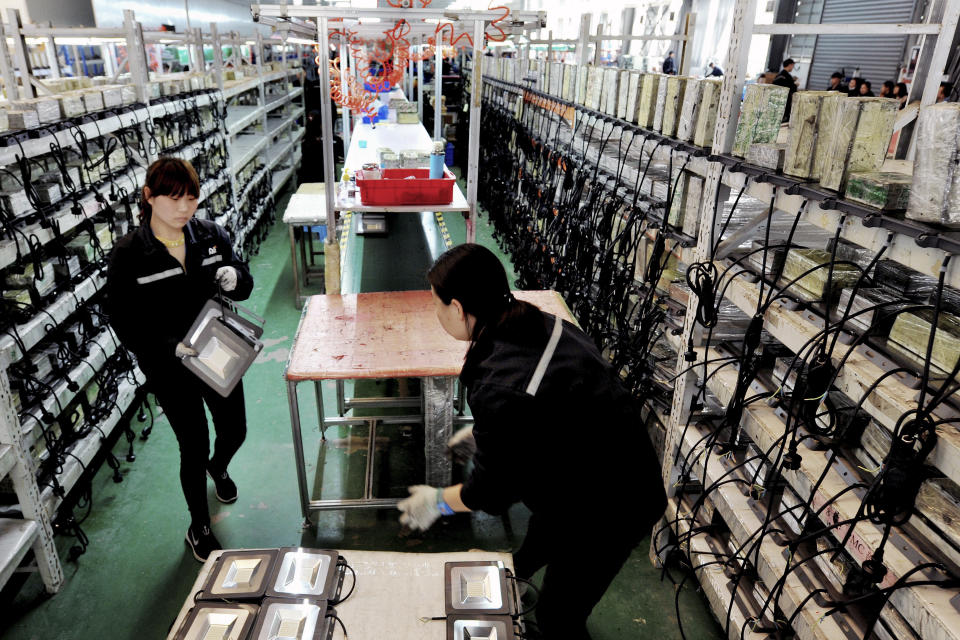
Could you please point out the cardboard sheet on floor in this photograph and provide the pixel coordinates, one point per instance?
(393, 591)
(391, 334)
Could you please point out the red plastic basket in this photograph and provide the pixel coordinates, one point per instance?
(395, 189)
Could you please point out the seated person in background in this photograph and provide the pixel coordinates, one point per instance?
(865, 91)
(943, 93)
(853, 87)
(886, 91)
(836, 82)
(900, 93)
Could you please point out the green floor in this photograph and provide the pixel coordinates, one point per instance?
(137, 571)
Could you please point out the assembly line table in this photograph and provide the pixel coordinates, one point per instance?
(306, 208)
(394, 590)
(392, 334)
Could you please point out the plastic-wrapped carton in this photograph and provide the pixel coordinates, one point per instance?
(858, 137)
(804, 139)
(706, 117)
(760, 116)
(661, 104)
(647, 102)
(673, 103)
(911, 333)
(769, 155)
(688, 110)
(22, 119)
(611, 76)
(633, 94)
(935, 193)
(594, 87)
(800, 261)
(880, 189)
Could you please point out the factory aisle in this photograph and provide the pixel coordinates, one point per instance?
(137, 571)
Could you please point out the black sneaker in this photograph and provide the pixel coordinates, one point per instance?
(202, 542)
(225, 488)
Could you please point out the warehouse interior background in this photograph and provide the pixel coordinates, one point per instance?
(751, 207)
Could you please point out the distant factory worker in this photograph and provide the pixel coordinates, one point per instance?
(670, 65)
(160, 276)
(944, 91)
(853, 87)
(836, 82)
(886, 89)
(554, 429)
(786, 79)
(714, 71)
(866, 90)
(901, 93)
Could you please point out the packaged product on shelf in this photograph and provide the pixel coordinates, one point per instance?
(22, 119)
(633, 95)
(583, 75)
(859, 136)
(939, 502)
(623, 93)
(608, 104)
(881, 189)
(688, 110)
(104, 235)
(92, 99)
(47, 187)
(661, 103)
(112, 96)
(760, 116)
(556, 78)
(414, 159)
(767, 262)
(153, 90)
(693, 196)
(14, 203)
(895, 277)
(197, 82)
(862, 315)
(673, 103)
(910, 335)
(82, 247)
(804, 139)
(569, 82)
(935, 193)
(47, 109)
(706, 116)
(815, 283)
(71, 105)
(128, 93)
(594, 87)
(768, 155)
(647, 102)
(67, 270)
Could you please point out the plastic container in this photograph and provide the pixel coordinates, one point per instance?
(395, 189)
(449, 152)
(381, 114)
(385, 88)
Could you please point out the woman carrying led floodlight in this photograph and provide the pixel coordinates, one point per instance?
(553, 428)
(161, 275)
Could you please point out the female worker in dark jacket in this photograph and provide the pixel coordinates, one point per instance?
(161, 274)
(553, 428)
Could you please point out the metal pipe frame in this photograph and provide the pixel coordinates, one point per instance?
(345, 115)
(473, 150)
(326, 118)
(420, 81)
(410, 15)
(437, 92)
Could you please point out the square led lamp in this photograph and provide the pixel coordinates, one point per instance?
(305, 573)
(479, 627)
(226, 344)
(476, 587)
(212, 621)
(285, 619)
(239, 575)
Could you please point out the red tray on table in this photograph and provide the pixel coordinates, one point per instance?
(395, 188)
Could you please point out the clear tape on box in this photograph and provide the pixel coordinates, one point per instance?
(688, 110)
(935, 193)
(760, 116)
(706, 116)
(673, 103)
(910, 336)
(859, 138)
(801, 261)
(801, 153)
(768, 155)
(887, 190)
(661, 103)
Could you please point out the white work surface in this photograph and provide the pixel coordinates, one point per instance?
(306, 209)
(399, 137)
(393, 591)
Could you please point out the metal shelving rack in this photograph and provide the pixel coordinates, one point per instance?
(928, 610)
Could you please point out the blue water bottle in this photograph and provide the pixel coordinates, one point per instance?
(436, 161)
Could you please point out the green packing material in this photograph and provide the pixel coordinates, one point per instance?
(935, 195)
(858, 134)
(706, 112)
(805, 110)
(647, 102)
(661, 104)
(768, 155)
(800, 261)
(880, 189)
(688, 110)
(911, 333)
(760, 116)
(673, 103)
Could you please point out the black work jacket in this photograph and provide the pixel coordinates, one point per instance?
(152, 302)
(577, 447)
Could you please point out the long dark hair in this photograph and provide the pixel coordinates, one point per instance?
(475, 277)
(168, 176)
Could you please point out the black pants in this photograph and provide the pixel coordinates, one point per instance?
(579, 570)
(182, 397)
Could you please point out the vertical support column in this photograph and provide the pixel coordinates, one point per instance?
(6, 66)
(258, 52)
(136, 55)
(687, 45)
(626, 15)
(583, 40)
(217, 55)
(437, 428)
(438, 88)
(20, 54)
(332, 248)
(420, 81)
(24, 479)
(52, 58)
(346, 91)
(473, 151)
(941, 52)
(597, 48)
(549, 51)
(409, 78)
(109, 60)
(198, 62)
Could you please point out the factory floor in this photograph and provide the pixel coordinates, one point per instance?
(137, 572)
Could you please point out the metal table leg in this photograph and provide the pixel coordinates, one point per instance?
(438, 427)
(318, 390)
(296, 275)
(298, 449)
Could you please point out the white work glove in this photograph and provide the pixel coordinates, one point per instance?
(420, 510)
(183, 351)
(462, 446)
(227, 277)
